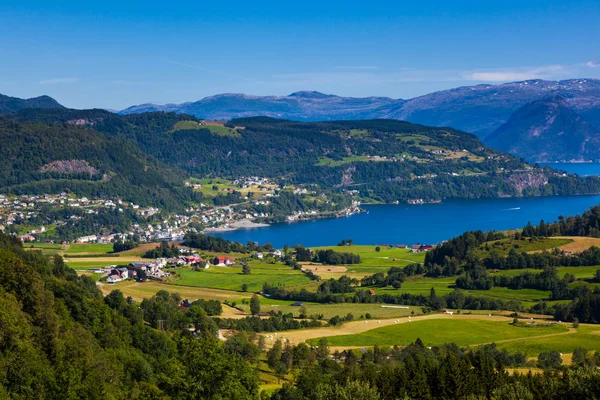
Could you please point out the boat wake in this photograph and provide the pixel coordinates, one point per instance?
(513, 209)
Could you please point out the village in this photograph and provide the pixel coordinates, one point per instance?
(35, 218)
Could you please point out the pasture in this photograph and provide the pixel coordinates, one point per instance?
(140, 291)
(91, 248)
(504, 246)
(329, 311)
(463, 332)
(232, 278)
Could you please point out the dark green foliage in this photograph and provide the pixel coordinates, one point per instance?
(62, 340)
(331, 257)
(123, 246)
(220, 245)
(254, 305)
(276, 322)
(279, 148)
(117, 168)
(162, 250)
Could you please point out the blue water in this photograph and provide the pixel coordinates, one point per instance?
(428, 223)
(581, 169)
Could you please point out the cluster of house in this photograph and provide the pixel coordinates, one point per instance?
(419, 248)
(275, 254)
(155, 269)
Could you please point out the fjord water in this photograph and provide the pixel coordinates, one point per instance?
(427, 223)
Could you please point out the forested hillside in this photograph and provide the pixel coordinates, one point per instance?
(11, 104)
(40, 158)
(383, 160)
(60, 339)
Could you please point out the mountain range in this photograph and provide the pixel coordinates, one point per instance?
(479, 109)
(536, 119)
(149, 155)
(549, 129)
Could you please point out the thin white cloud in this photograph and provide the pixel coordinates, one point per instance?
(58, 81)
(518, 74)
(592, 63)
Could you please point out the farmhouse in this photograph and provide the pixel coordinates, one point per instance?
(117, 275)
(222, 261)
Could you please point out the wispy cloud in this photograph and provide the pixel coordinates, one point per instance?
(518, 74)
(58, 81)
(212, 71)
(592, 63)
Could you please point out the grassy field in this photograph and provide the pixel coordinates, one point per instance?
(587, 272)
(386, 257)
(46, 248)
(214, 127)
(437, 332)
(140, 291)
(231, 278)
(91, 248)
(586, 336)
(504, 246)
(84, 265)
(331, 310)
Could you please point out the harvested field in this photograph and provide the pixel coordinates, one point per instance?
(579, 243)
(317, 269)
(140, 291)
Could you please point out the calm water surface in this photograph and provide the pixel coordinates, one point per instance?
(428, 223)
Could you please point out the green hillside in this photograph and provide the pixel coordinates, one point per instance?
(40, 158)
(384, 160)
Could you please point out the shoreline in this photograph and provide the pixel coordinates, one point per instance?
(241, 224)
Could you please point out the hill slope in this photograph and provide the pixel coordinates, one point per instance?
(477, 109)
(41, 158)
(548, 130)
(381, 160)
(10, 104)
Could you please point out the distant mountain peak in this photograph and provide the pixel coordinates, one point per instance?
(548, 129)
(11, 104)
(311, 94)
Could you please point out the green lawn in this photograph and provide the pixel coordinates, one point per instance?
(46, 248)
(383, 258)
(587, 336)
(84, 265)
(90, 248)
(231, 278)
(463, 332)
(579, 272)
(445, 285)
(215, 129)
(504, 246)
(331, 310)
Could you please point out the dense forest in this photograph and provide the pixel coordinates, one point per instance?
(60, 339)
(411, 161)
(40, 158)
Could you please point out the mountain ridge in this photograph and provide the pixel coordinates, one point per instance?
(548, 130)
(478, 109)
(11, 104)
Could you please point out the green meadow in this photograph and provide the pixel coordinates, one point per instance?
(463, 332)
(232, 278)
(92, 248)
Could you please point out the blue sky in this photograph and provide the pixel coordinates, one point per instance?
(117, 53)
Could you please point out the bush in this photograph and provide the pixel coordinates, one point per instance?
(549, 360)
